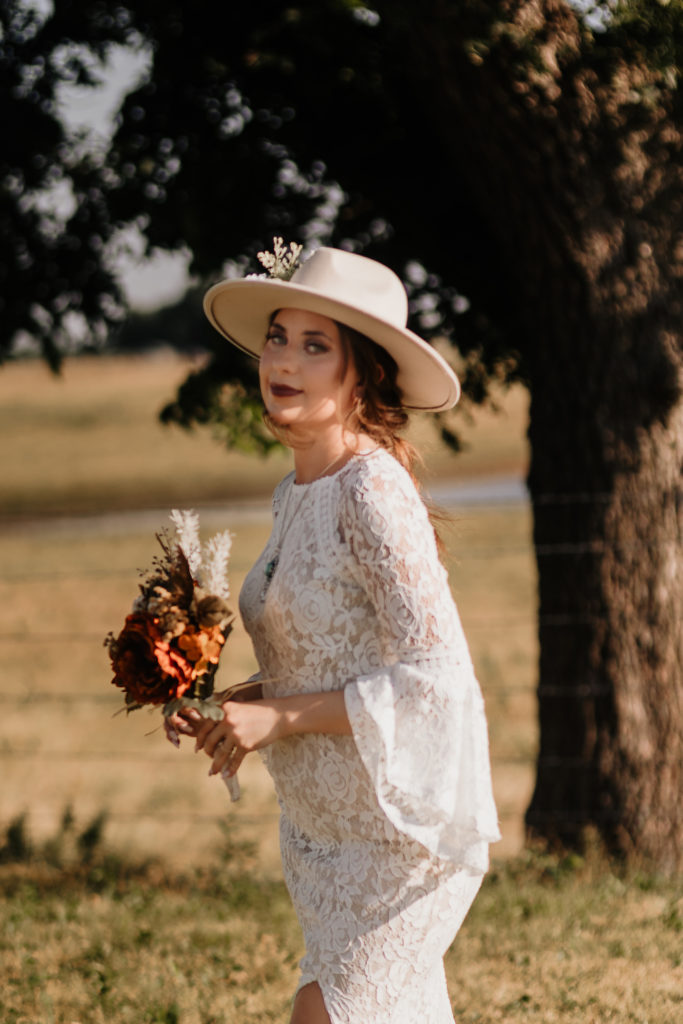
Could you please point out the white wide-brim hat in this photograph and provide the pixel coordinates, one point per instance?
(353, 290)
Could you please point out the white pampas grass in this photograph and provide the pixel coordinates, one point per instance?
(217, 555)
(208, 564)
(187, 530)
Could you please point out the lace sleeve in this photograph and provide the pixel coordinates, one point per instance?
(418, 722)
(389, 534)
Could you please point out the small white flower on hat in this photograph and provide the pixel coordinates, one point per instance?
(283, 261)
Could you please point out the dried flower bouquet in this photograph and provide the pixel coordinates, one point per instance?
(168, 650)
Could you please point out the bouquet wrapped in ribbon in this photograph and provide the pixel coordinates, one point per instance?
(168, 651)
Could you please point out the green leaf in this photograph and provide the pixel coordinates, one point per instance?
(206, 708)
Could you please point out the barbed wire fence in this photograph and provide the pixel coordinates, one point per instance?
(60, 640)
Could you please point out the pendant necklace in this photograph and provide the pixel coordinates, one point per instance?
(272, 564)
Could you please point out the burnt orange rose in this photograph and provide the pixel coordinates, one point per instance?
(147, 668)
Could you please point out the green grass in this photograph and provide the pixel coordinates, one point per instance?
(573, 941)
(116, 941)
(108, 939)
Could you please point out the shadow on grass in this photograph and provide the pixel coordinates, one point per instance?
(76, 859)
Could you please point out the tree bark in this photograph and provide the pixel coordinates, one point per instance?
(580, 172)
(608, 532)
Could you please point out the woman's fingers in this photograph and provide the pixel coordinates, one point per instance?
(227, 759)
(171, 733)
(245, 726)
(178, 725)
(214, 738)
(185, 721)
(204, 733)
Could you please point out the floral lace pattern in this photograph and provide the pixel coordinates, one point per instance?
(384, 834)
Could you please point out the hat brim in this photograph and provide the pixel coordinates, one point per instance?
(241, 309)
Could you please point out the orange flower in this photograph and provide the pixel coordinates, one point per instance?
(146, 667)
(202, 647)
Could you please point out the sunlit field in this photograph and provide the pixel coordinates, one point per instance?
(64, 587)
(90, 443)
(133, 890)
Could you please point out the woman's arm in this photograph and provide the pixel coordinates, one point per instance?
(251, 725)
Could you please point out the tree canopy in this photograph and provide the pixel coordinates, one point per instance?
(327, 121)
(55, 284)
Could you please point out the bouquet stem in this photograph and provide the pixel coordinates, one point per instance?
(232, 785)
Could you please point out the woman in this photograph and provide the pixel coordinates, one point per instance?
(369, 716)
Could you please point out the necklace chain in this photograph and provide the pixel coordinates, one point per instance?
(272, 564)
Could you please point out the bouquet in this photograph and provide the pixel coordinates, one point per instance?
(168, 650)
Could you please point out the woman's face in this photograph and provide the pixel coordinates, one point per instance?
(306, 379)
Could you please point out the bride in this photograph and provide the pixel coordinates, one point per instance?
(369, 717)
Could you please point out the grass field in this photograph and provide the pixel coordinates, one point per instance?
(547, 942)
(89, 441)
(132, 890)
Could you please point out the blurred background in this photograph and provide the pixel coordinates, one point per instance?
(89, 476)
(519, 165)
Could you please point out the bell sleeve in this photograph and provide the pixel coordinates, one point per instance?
(418, 721)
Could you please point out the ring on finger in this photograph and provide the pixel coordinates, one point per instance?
(231, 752)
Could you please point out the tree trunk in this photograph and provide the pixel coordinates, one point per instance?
(581, 183)
(608, 530)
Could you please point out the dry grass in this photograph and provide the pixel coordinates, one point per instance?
(570, 941)
(66, 745)
(63, 589)
(89, 440)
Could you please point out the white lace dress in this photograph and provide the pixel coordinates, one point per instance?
(384, 835)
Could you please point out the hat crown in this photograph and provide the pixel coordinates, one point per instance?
(364, 284)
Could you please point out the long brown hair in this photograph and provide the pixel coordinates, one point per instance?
(379, 411)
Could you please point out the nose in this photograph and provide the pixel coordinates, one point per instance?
(283, 359)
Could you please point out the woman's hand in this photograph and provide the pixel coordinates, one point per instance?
(188, 721)
(246, 726)
(255, 724)
(185, 723)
